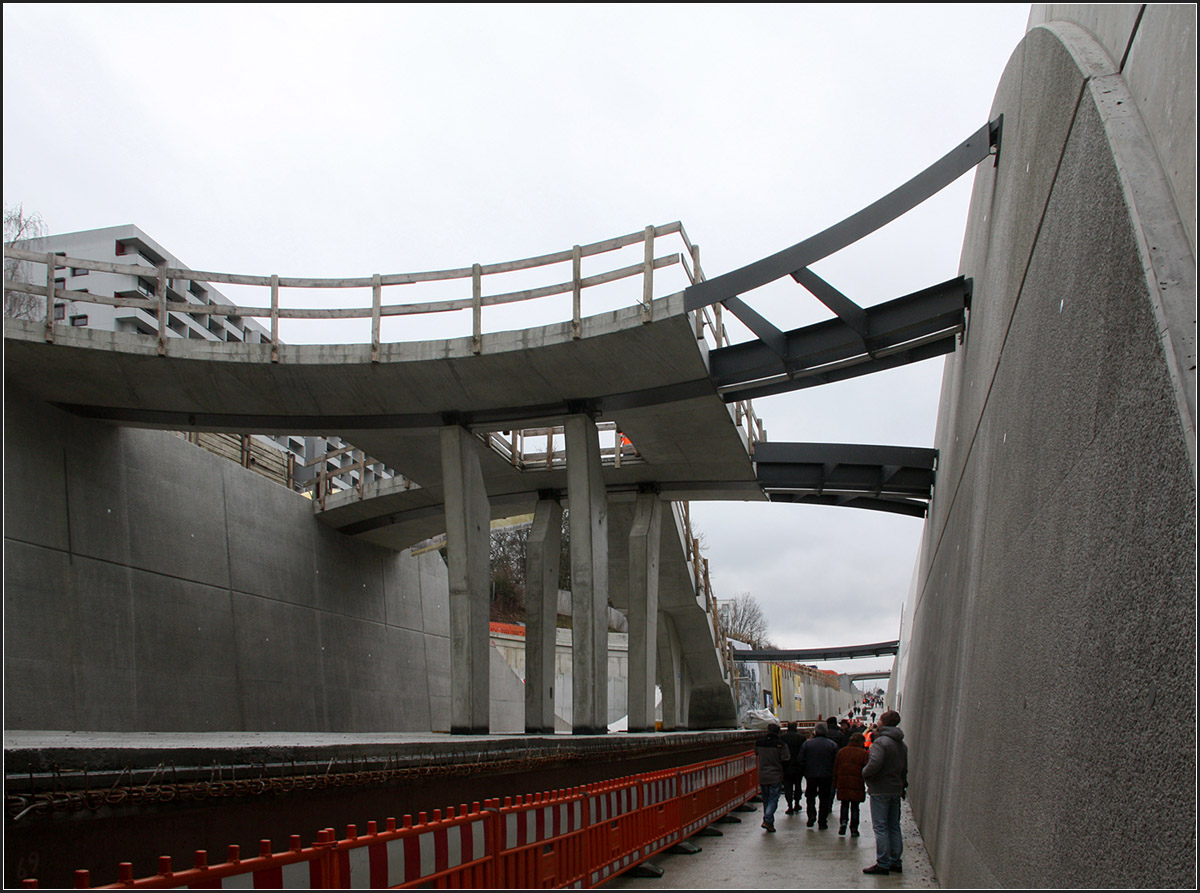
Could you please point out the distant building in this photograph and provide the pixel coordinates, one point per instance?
(130, 245)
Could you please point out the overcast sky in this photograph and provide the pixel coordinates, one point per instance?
(347, 140)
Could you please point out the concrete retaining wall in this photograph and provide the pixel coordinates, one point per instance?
(820, 695)
(152, 586)
(1049, 692)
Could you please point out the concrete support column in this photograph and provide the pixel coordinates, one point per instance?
(468, 523)
(541, 615)
(670, 667)
(643, 610)
(588, 502)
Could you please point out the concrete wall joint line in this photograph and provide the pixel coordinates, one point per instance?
(67, 506)
(239, 691)
(1132, 37)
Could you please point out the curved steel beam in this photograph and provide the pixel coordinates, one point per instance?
(791, 261)
(802, 654)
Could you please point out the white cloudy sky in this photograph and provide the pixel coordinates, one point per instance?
(347, 140)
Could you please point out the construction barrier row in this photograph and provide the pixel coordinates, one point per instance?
(578, 837)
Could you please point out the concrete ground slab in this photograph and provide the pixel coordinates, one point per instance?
(795, 856)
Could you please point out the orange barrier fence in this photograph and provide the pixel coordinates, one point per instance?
(579, 837)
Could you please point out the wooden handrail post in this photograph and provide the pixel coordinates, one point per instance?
(576, 297)
(648, 278)
(49, 296)
(274, 317)
(376, 308)
(477, 308)
(162, 309)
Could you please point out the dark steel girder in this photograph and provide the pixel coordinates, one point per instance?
(912, 507)
(879, 649)
(859, 341)
(846, 468)
(882, 478)
(792, 260)
(913, 327)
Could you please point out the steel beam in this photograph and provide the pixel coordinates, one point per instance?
(909, 328)
(808, 654)
(791, 260)
(883, 478)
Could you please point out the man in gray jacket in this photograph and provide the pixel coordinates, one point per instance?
(886, 775)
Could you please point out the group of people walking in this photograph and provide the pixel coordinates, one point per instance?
(843, 760)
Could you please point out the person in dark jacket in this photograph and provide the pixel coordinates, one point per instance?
(834, 732)
(886, 775)
(847, 776)
(772, 753)
(793, 781)
(816, 765)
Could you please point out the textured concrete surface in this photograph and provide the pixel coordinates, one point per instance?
(1054, 611)
(1147, 42)
(150, 585)
(795, 857)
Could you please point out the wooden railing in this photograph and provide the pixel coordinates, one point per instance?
(704, 591)
(378, 310)
(709, 321)
(542, 449)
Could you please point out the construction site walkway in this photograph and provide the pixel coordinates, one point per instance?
(745, 856)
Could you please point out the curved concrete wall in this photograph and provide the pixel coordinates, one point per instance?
(1049, 690)
(152, 586)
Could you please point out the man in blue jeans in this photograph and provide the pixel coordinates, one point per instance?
(886, 775)
(772, 753)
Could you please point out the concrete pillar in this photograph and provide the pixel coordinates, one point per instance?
(468, 523)
(541, 615)
(670, 667)
(643, 610)
(588, 502)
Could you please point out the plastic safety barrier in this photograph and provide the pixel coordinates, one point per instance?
(578, 837)
(297, 868)
(455, 851)
(542, 841)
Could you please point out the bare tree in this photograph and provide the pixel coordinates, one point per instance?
(508, 573)
(742, 618)
(20, 226)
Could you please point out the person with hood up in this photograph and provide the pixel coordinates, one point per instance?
(886, 776)
(793, 782)
(816, 765)
(772, 753)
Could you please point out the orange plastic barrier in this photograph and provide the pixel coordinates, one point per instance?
(659, 825)
(575, 838)
(443, 852)
(542, 841)
(612, 828)
(298, 868)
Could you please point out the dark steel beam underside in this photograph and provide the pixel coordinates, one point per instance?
(904, 330)
(879, 649)
(859, 340)
(881, 478)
